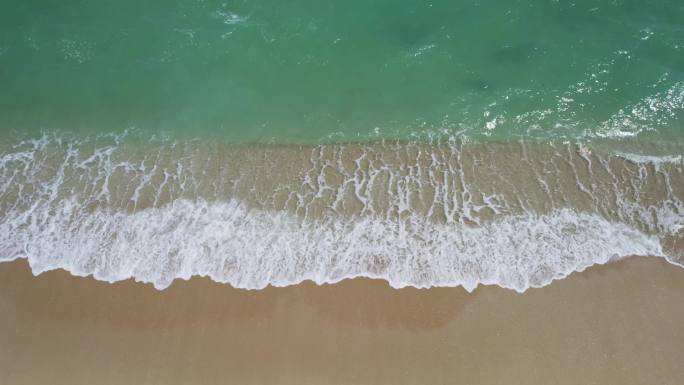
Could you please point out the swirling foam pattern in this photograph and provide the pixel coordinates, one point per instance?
(517, 214)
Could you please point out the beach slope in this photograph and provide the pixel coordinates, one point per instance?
(619, 324)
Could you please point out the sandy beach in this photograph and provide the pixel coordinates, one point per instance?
(341, 192)
(614, 324)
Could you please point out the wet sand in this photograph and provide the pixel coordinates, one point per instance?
(615, 324)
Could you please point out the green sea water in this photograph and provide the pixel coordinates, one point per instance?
(325, 70)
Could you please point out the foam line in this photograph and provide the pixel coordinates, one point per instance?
(413, 214)
(252, 249)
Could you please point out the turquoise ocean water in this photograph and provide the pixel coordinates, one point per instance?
(265, 142)
(304, 71)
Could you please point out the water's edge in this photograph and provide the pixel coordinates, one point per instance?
(517, 215)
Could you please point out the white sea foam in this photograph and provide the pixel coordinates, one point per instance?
(251, 248)
(653, 111)
(79, 205)
(656, 161)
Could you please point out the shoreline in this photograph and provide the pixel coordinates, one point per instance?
(515, 215)
(617, 323)
(645, 144)
(672, 245)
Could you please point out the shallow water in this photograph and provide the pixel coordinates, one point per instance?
(262, 142)
(518, 215)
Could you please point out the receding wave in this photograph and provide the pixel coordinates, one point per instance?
(517, 215)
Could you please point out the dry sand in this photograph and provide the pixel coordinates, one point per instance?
(616, 324)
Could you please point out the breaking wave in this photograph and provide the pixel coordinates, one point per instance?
(517, 215)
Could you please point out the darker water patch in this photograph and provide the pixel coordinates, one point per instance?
(476, 84)
(519, 53)
(411, 24)
(409, 34)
